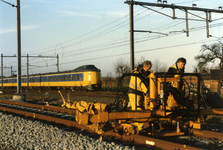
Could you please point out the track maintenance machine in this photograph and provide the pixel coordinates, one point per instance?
(174, 104)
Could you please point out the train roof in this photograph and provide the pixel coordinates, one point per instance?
(86, 68)
(83, 68)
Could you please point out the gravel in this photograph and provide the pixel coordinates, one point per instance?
(18, 133)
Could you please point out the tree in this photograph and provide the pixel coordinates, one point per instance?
(157, 66)
(107, 81)
(211, 54)
(121, 67)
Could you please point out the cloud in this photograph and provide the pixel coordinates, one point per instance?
(7, 31)
(72, 13)
(23, 28)
(29, 27)
(117, 13)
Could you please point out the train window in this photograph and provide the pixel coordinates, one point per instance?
(69, 77)
(51, 78)
(77, 77)
(58, 78)
(65, 78)
(54, 78)
(81, 78)
(62, 78)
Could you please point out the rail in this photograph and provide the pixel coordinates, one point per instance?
(137, 139)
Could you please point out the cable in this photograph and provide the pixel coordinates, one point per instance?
(143, 40)
(9, 3)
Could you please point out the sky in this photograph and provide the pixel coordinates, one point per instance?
(97, 32)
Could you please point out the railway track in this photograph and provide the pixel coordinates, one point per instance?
(74, 93)
(66, 117)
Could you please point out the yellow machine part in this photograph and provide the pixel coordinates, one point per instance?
(82, 105)
(152, 97)
(176, 83)
(171, 102)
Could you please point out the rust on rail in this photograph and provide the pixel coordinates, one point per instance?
(46, 118)
(207, 134)
(150, 141)
(43, 107)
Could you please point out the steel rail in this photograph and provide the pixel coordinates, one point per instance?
(207, 134)
(133, 138)
(149, 141)
(137, 139)
(49, 108)
(46, 118)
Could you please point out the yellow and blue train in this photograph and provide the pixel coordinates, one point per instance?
(84, 77)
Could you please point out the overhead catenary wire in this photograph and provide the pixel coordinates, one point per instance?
(127, 43)
(155, 37)
(93, 36)
(154, 49)
(8, 3)
(101, 34)
(140, 51)
(110, 44)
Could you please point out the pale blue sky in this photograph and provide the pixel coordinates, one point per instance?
(97, 32)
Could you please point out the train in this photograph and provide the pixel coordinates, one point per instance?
(86, 77)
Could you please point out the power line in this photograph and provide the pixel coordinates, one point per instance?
(154, 49)
(9, 3)
(124, 43)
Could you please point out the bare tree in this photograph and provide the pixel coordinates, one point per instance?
(140, 62)
(211, 54)
(121, 67)
(157, 66)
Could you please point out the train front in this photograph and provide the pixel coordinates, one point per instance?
(92, 77)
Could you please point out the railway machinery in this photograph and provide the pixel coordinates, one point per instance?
(174, 105)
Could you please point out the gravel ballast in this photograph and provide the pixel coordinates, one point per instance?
(23, 134)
